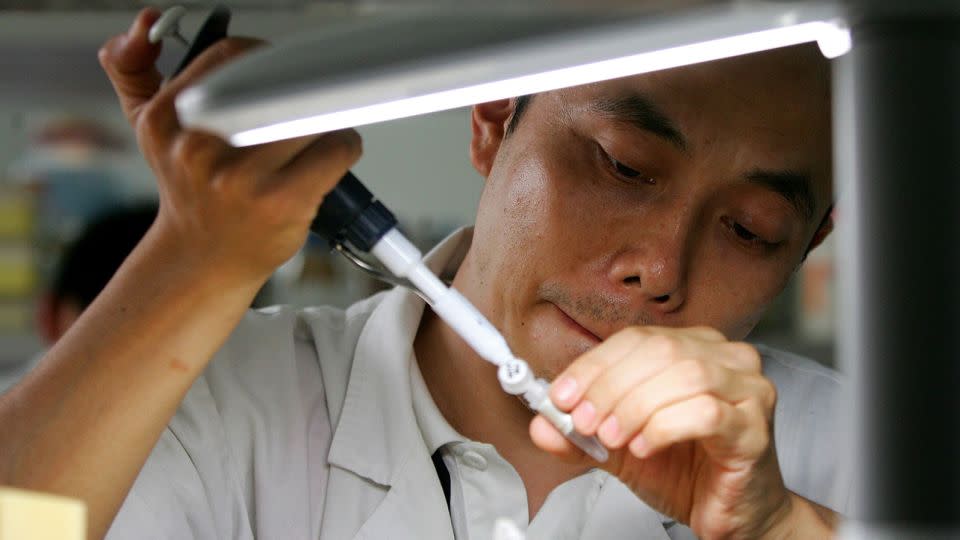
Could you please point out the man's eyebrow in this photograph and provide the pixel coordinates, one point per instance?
(642, 113)
(795, 187)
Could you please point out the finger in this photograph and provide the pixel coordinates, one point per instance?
(548, 438)
(303, 156)
(320, 166)
(648, 359)
(704, 333)
(156, 120)
(221, 52)
(742, 356)
(703, 417)
(199, 156)
(568, 389)
(129, 62)
(678, 383)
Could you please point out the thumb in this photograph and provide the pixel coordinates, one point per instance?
(548, 438)
(129, 61)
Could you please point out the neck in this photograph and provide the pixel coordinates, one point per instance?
(466, 391)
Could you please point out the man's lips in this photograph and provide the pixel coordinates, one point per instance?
(573, 324)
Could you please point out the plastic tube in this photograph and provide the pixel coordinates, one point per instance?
(404, 260)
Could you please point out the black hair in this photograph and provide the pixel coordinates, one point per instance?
(519, 106)
(90, 260)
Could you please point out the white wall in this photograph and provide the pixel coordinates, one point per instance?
(420, 167)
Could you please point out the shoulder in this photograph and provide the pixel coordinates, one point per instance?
(261, 409)
(783, 363)
(805, 387)
(335, 332)
(809, 425)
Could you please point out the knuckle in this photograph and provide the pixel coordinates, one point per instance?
(192, 151)
(655, 431)
(635, 405)
(696, 376)
(748, 355)
(277, 210)
(586, 368)
(762, 441)
(150, 121)
(769, 391)
(709, 411)
(600, 391)
(225, 182)
(759, 426)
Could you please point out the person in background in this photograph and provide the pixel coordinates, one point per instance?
(86, 266)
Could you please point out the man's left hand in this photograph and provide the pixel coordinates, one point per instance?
(688, 416)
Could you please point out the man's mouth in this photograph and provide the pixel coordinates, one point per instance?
(572, 323)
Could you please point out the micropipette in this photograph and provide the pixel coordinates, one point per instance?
(350, 213)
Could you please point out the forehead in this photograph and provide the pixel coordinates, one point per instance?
(766, 110)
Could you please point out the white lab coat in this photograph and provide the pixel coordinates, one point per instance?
(302, 426)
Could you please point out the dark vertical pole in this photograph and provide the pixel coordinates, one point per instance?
(898, 166)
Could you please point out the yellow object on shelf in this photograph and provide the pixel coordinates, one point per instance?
(28, 515)
(16, 214)
(17, 273)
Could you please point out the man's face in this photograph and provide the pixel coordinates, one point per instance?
(679, 198)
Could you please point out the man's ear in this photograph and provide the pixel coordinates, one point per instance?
(489, 124)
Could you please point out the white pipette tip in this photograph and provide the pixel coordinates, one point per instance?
(517, 379)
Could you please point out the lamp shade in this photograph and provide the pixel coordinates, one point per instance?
(401, 66)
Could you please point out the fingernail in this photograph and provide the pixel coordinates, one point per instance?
(563, 388)
(638, 446)
(583, 415)
(609, 431)
(144, 20)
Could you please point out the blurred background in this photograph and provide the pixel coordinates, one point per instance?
(68, 159)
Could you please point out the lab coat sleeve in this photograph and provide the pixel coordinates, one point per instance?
(189, 487)
(169, 499)
(243, 456)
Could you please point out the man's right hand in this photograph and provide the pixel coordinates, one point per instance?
(86, 419)
(243, 211)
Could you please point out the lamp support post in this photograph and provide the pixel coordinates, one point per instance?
(897, 142)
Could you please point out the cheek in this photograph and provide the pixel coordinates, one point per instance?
(529, 208)
(510, 210)
(732, 293)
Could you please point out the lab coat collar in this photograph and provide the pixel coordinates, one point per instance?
(378, 404)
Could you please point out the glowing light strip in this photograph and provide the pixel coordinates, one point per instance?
(833, 39)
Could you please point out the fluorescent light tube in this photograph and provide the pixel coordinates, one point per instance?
(705, 51)
(248, 111)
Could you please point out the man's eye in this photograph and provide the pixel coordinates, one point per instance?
(746, 235)
(626, 172)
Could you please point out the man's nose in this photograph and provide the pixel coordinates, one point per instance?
(652, 274)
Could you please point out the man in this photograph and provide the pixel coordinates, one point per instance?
(627, 232)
